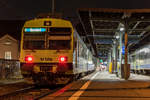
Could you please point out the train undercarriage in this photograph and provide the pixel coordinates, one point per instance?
(33, 74)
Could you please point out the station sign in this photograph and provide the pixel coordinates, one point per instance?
(123, 50)
(35, 29)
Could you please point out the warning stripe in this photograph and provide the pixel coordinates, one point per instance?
(76, 95)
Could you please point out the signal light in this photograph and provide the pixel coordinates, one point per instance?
(28, 58)
(62, 59)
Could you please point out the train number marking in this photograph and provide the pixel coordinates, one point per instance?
(46, 59)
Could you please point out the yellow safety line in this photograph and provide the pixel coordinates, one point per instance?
(76, 95)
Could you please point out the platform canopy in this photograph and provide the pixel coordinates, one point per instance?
(101, 26)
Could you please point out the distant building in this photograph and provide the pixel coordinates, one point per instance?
(9, 47)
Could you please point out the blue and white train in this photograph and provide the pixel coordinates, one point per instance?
(140, 60)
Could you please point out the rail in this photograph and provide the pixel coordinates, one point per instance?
(14, 93)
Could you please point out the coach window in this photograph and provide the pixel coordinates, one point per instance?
(137, 58)
(148, 53)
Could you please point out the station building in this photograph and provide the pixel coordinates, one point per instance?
(9, 48)
(9, 57)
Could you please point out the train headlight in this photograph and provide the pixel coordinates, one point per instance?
(63, 59)
(29, 59)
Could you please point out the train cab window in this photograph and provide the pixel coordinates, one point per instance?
(60, 29)
(57, 31)
(59, 44)
(34, 40)
(34, 44)
(59, 38)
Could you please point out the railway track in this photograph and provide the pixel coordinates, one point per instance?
(29, 93)
(9, 95)
(45, 94)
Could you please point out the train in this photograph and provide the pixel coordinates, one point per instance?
(140, 60)
(52, 52)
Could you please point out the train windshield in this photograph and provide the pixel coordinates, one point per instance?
(60, 29)
(59, 38)
(59, 44)
(39, 38)
(34, 40)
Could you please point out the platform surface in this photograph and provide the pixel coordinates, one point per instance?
(105, 86)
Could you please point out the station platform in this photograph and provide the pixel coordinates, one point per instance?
(10, 81)
(105, 86)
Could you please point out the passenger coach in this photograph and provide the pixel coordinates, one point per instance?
(140, 60)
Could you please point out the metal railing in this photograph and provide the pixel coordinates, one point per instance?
(10, 69)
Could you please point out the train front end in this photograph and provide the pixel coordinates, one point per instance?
(47, 51)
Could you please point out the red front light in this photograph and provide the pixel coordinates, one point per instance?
(62, 59)
(29, 58)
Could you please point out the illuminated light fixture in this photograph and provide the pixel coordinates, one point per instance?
(35, 29)
(62, 59)
(7, 43)
(121, 29)
(117, 37)
(29, 59)
(47, 23)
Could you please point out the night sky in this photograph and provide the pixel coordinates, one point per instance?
(26, 9)
(13, 13)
